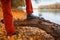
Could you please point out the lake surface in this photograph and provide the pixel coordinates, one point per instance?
(51, 16)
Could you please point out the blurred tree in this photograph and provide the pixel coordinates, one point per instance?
(16, 3)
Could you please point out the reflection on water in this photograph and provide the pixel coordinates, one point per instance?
(51, 16)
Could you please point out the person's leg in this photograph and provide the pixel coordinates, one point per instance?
(8, 18)
(29, 9)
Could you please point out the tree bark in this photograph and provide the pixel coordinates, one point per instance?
(49, 27)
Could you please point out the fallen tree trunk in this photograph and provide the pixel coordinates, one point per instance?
(49, 27)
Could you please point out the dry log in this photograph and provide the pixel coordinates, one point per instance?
(49, 27)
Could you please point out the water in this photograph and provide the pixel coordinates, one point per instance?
(51, 16)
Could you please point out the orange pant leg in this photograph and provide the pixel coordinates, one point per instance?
(29, 8)
(8, 18)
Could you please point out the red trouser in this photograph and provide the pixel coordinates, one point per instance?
(8, 18)
(29, 8)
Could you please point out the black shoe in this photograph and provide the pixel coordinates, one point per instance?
(30, 16)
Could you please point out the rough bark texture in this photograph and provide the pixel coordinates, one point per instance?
(49, 27)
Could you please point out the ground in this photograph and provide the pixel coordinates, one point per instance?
(34, 29)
